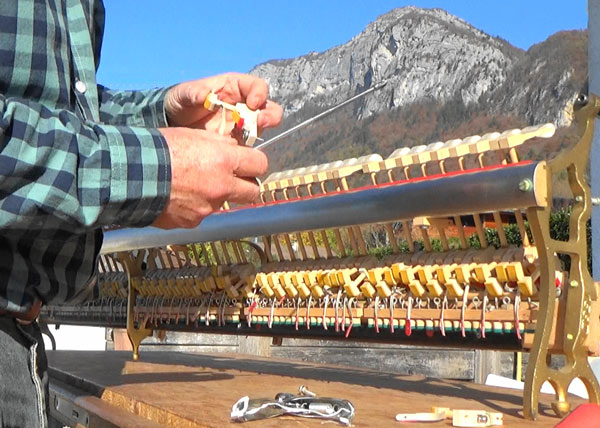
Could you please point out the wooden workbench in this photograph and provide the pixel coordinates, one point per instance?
(197, 390)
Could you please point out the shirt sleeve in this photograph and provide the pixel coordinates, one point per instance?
(133, 108)
(57, 169)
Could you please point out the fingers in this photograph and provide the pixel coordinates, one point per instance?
(254, 90)
(249, 162)
(184, 104)
(251, 90)
(206, 170)
(270, 116)
(244, 190)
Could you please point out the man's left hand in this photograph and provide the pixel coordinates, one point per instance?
(185, 102)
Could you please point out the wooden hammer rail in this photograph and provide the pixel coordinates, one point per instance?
(300, 263)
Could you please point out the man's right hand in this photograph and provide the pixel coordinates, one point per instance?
(207, 169)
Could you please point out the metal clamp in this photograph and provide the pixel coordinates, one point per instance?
(306, 405)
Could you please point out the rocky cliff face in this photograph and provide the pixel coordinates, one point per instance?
(423, 53)
(429, 56)
(542, 86)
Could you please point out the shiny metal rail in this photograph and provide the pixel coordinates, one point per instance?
(508, 187)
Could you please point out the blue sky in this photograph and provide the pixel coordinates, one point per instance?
(156, 42)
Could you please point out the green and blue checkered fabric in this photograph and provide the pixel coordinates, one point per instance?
(74, 156)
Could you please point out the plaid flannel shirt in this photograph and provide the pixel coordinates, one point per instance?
(74, 156)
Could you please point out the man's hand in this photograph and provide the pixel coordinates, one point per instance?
(185, 102)
(206, 170)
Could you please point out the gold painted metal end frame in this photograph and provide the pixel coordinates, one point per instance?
(573, 311)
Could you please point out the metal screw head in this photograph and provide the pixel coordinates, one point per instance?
(573, 283)
(570, 336)
(578, 198)
(305, 391)
(581, 101)
(526, 185)
(595, 201)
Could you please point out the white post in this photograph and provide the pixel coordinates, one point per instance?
(594, 88)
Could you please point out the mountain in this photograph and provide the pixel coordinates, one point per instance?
(446, 79)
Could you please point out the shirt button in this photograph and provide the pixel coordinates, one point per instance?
(80, 87)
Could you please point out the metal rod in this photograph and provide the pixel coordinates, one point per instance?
(464, 193)
(320, 115)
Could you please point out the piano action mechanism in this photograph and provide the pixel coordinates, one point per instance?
(302, 261)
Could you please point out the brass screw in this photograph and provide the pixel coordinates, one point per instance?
(573, 283)
(578, 198)
(569, 336)
(525, 185)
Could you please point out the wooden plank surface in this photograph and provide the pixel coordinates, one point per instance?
(198, 390)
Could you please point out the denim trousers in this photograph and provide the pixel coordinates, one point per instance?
(23, 375)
